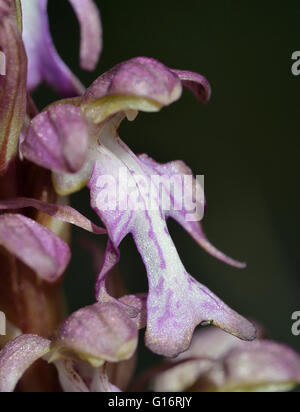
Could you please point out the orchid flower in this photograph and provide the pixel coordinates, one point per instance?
(73, 143)
(176, 302)
(217, 362)
(94, 345)
(87, 344)
(44, 64)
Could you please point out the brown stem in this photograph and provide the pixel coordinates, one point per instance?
(31, 304)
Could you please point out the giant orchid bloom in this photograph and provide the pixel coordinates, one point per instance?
(75, 143)
(176, 302)
(44, 64)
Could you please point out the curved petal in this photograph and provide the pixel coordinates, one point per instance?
(70, 379)
(35, 245)
(176, 302)
(77, 377)
(65, 213)
(98, 333)
(44, 63)
(18, 356)
(91, 32)
(196, 83)
(12, 332)
(138, 84)
(58, 139)
(12, 85)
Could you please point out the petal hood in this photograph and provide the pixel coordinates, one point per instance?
(97, 333)
(142, 84)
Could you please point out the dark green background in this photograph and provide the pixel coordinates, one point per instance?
(245, 141)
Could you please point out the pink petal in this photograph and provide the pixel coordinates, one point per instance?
(58, 139)
(61, 212)
(44, 63)
(196, 83)
(18, 356)
(141, 77)
(180, 212)
(91, 32)
(101, 332)
(35, 245)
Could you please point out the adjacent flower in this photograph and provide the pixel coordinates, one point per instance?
(82, 350)
(176, 302)
(98, 333)
(217, 362)
(44, 64)
(37, 246)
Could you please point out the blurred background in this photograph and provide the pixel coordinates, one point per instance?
(245, 142)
